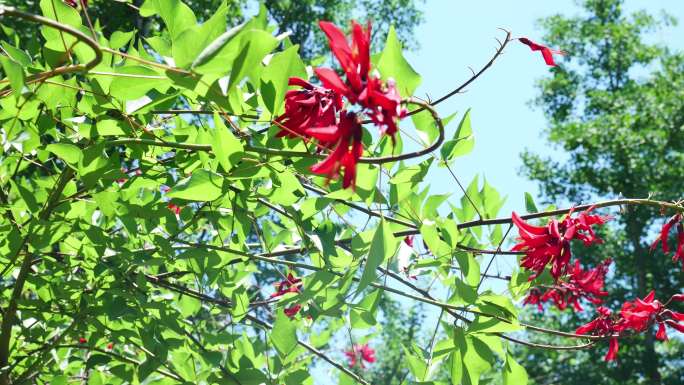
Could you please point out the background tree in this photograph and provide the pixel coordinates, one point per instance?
(617, 110)
(297, 16)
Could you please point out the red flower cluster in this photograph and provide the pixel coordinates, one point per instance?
(308, 107)
(360, 353)
(578, 284)
(664, 234)
(636, 316)
(550, 244)
(547, 53)
(288, 285)
(311, 111)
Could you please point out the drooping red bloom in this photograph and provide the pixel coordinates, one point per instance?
(664, 235)
(307, 107)
(82, 340)
(288, 285)
(550, 244)
(635, 316)
(345, 141)
(110, 346)
(569, 290)
(603, 325)
(546, 52)
(292, 310)
(409, 240)
(360, 353)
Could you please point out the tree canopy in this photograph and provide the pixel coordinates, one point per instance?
(204, 203)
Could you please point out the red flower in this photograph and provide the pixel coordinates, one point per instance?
(345, 139)
(82, 340)
(665, 232)
(308, 107)
(365, 352)
(289, 285)
(636, 316)
(550, 244)
(603, 325)
(110, 346)
(639, 314)
(578, 284)
(176, 209)
(409, 240)
(547, 52)
(293, 310)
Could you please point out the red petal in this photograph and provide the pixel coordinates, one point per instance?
(325, 134)
(677, 326)
(612, 349)
(338, 44)
(332, 80)
(526, 226)
(295, 81)
(548, 56)
(661, 334)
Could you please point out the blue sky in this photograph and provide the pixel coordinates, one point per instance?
(459, 34)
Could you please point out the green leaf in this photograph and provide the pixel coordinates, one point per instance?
(463, 141)
(363, 314)
(469, 267)
(484, 324)
(16, 54)
(68, 152)
(140, 81)
(225, 146)
(120, 39)
(514, 373)
(382, 247)
(202, 186)
(239, 303)
(15, 73)
(176, 15)
(254, 46)
(189, 44)
(392, 64)
(215, 46)
(274, 79)
(284, 334)
(529, 203)
(456, 367)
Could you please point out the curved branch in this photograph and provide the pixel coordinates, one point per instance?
(460, 88)
(678, 207)
(289, 153)
(11, 11)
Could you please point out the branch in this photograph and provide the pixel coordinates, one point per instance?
(314, 351)
(11, 11)
(302, 154)
(9, 315)
(460, 88)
